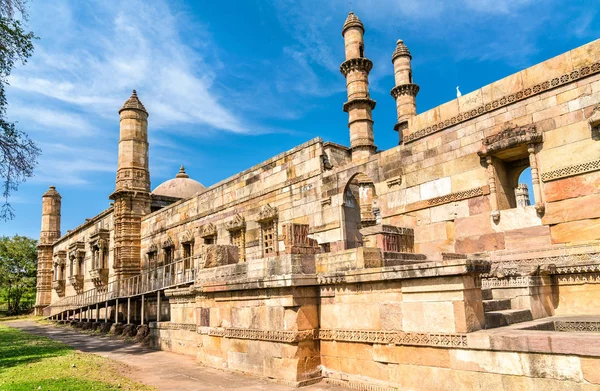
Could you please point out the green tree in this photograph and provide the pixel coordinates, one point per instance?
(18, 259)
(18, 153)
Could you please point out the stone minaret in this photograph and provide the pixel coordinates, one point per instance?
(132, 191)
(405, 92)
(522, 195)
(356, 69)
(50, 232)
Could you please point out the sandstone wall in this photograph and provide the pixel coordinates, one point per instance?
(445, 189)
(82, 234)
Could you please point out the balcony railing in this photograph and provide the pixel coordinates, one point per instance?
(149, 280)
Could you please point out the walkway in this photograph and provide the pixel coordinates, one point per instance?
(163, 370)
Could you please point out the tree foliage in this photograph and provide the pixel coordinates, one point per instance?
(18, 258)
(18, 153)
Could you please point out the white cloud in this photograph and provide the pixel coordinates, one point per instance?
(95, 67)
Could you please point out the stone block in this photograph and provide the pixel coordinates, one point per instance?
(580, 208)
(220, 255)
(436, 188)
(589, 367)
(576, 231)
(528, 238)
(572, 187)
(391, 316)
(480, 243)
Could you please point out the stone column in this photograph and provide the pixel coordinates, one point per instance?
(491, 171)
(535, 180)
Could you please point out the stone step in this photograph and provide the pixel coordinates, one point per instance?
(506, 317)
(496, 305)
(486, 294)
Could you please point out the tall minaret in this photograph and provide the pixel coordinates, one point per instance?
(132, 191)
(356, 69)
(50, 232)
(406, 91)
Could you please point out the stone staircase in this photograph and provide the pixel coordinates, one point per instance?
(499, 312)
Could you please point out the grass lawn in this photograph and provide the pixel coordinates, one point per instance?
(30, 362)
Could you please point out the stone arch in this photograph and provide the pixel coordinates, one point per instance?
(359, 208)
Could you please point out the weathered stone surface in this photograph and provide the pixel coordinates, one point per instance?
(480, 243)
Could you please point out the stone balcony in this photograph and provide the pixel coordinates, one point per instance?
(99, 276)
(76, 281)
(59, 286)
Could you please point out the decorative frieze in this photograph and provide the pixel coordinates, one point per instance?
(511, 282)
(173, 326)
(562, 259)
(445, 199)
(393, 337)
(260, 335)
(505, 101)
(577, 326)
(573, 170)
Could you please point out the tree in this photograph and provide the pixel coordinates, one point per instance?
(18, 153)
(18, 258)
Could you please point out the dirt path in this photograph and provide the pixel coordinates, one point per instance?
(163, 370)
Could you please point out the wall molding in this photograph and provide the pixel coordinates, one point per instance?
(445, 199)
(505, 101)
(573, 170)
(261, 335)
(394, 337)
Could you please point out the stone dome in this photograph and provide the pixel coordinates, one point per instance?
(179, 187)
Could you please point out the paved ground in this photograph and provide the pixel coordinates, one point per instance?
(163, 370)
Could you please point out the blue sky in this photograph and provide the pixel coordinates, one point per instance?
(229, 84)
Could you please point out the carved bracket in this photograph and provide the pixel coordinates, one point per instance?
(208, 230)
(237, 223)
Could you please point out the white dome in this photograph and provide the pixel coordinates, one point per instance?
(179, 187)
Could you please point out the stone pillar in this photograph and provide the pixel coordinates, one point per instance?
(356, 70)
(491, 171)
(405, 92)
(51, 203)
(535, 179)
(132, 191)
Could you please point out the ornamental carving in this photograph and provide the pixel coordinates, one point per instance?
(360, 64)
(186, 237)
(505, 101)
(394, 337)
(267, 213)
(359, 101)
(153, 248)
(236, 224)
(405, 89)
(261, 335)
(60, 258)
(571, 171)
(509, 138)
(208, 230)
(168, 243)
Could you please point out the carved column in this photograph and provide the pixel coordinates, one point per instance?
(491, 171)
(535, 180)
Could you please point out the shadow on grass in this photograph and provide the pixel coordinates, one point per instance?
(60, 384)
(18, 347)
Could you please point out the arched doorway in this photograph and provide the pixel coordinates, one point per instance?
(359, 208)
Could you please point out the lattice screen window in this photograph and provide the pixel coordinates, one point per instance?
(168, 255)
(188, 253)
(237, 239)
(268, 237)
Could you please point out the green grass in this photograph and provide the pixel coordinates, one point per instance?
(29, 362)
